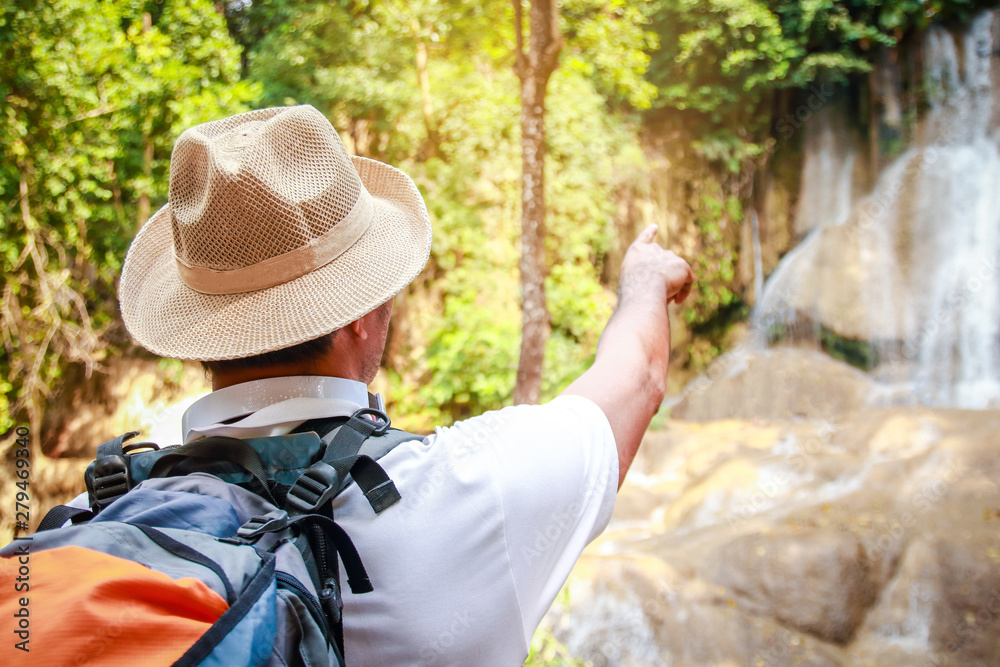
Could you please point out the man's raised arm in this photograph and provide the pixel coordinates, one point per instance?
(629, 373)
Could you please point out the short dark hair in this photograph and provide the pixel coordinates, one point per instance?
(289, 355)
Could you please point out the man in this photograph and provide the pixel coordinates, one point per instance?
(275, 263)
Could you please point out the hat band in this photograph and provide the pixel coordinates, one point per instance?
(293, 264)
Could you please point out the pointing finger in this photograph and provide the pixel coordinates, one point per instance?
(647, 235)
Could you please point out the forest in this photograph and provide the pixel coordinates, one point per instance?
(704, 96)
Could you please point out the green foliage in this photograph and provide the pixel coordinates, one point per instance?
(720, 62)
(356, 61)
(860, 354)
(171, 371)
(716, 62)
(609, 42)
(351, 66)
(97, 92)
(90, 87)
(717, 219)
(546, 650)
(470, 360)
(6, 423)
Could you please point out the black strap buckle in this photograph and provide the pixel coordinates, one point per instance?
(264, 523)
(111, 479)
(316, 485)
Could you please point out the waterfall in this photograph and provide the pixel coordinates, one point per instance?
(827, 174)
(910, 268)
(825, 200)
(956, 348)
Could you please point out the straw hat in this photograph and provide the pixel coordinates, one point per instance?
(272, 235)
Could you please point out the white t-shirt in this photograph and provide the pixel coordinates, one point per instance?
(495, 511)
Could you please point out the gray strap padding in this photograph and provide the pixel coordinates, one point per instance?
(377, 446)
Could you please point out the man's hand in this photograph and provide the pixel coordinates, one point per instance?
(629, 374)
(649, 270)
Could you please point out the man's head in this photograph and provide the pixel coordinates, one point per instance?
(353, 352)
(273, 236)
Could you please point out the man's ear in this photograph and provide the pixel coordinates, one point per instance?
(358, 327)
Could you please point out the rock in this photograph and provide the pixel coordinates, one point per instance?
(866, 278)
(870, 540)
(967, 621)
(825, 280)
(633, 612)
(780, 383)
(942, 608)
(813, 580)
(661, 488)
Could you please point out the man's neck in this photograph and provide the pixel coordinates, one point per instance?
(323, 367)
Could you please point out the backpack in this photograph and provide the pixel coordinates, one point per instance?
(219, 552)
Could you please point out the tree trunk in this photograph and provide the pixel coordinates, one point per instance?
(142, 214)
(426, 105)
(534, 68)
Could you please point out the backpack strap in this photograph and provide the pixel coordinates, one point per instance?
(278, 522)
(217, 448)
(324, 479)
(321, 427)
(114, 447)
(60, 514)
(377, 447)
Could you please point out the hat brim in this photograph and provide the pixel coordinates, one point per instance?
(170, 319)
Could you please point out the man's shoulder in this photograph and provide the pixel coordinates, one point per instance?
(568, 428)
(566, 413)
(564, 406)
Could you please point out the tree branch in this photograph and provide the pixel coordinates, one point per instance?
(519, 64)
(93, 113)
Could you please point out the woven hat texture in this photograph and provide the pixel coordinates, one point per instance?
(272, 235)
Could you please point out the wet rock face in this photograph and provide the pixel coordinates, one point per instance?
(637, 613)
(779, 383)
(872, 539)
(944, 603)
(968, 620)
(816, 581)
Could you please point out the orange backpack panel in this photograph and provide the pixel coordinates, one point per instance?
(86, 607)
